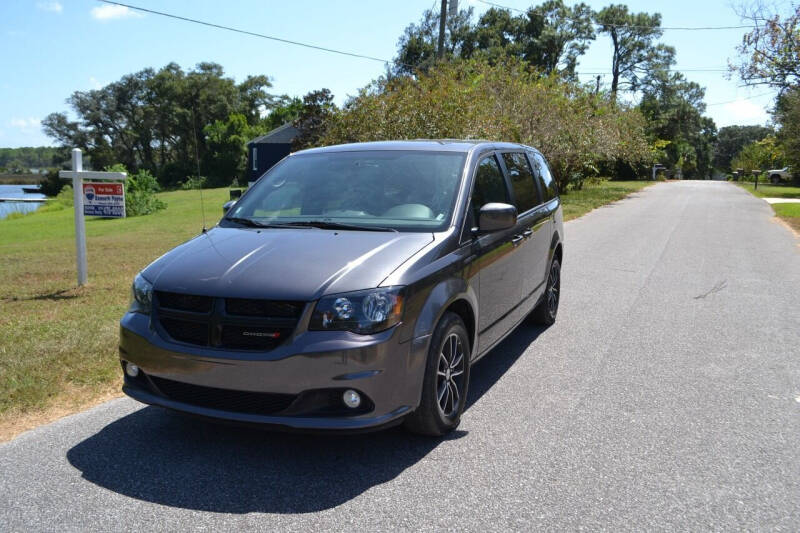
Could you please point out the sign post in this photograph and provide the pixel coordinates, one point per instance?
(78, 193)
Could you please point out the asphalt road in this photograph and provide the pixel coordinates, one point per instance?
(667, 396)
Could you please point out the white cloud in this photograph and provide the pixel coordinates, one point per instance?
(25, 124)
(110, 12)
(95, 84)
(53, 7)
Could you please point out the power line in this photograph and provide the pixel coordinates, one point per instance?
(739, 99)
(245, 32)
(686, 28)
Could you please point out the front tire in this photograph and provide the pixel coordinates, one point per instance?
(776, 179)
(545, 313)
(444, 388)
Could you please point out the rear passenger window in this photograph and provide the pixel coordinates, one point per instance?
(546, 181)
(489, 186)
(521, 176)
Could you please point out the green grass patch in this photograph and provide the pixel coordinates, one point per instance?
(57, 340)
(771, 191)
(787, 210)
(58, 343)
(789, 213)
(593, 195)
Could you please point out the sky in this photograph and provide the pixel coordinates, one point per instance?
(51, 48)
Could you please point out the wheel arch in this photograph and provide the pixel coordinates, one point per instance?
(453, 295)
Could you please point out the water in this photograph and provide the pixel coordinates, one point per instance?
(15, 191)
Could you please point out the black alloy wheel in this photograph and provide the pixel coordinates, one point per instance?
(446, 382)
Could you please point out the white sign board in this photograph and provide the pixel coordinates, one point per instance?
(77, 174)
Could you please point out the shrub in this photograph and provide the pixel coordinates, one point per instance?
(140, 195)
(194, 182)
(573, 127)
(140, 192)
(51, 185)
(62, 200)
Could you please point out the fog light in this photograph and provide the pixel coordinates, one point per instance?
(351, 398)
(132, 370)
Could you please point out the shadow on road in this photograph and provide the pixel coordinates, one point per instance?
(157, 456)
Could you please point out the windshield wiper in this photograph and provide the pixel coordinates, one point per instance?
(327, 224)
(246, 222)
(256, 224)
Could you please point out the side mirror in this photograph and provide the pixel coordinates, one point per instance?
(497, 216)
(227, 205)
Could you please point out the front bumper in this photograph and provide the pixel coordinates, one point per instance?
(387, 371)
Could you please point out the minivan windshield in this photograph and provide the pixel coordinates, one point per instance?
(392, 189)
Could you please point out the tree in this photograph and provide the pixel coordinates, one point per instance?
(759, 155)
(286, 110)
(787, 116)
(557, 35)
(771, 50)
(475, 99)
(417, 45)
(317, 110)
(155, 120)
(227, 140)
(731, 140)
(674, 107)
(550, 36)
(635, 53)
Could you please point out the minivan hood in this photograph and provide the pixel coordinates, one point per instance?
(282, 264)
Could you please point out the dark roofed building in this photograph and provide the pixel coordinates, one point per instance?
(265, 151)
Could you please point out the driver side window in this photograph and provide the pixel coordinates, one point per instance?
(489, 187)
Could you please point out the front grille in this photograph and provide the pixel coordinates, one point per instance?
(184, 302)
(260, 403)
(186, 331)
(247, 307)
(226, 323)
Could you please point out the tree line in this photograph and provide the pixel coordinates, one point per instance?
(22, 160)
(169, 122)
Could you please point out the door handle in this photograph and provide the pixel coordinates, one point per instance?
(516, 239)
(527, 233)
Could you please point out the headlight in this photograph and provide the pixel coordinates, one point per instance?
(363, 312)
(141, 295)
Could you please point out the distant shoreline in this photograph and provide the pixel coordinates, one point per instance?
(21, 179)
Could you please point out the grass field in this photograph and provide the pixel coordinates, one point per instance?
(577, 203)
(58, 343)
(789, 213)
(771, 191)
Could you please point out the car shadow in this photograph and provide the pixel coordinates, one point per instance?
(158, 456)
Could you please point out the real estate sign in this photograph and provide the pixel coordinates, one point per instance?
(104, 200)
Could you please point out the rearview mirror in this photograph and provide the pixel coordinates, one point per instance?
(227, 205)
(496, 216)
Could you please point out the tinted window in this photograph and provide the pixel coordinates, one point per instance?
(404, 190)
(547, 182)
(489, 186)
(519, 172)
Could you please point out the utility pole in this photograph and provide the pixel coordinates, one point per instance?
(442, 23)
(597, 87)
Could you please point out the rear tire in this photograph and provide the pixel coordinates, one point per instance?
(445, 386)
(546, 312)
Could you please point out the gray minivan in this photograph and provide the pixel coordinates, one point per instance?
(351, 288)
